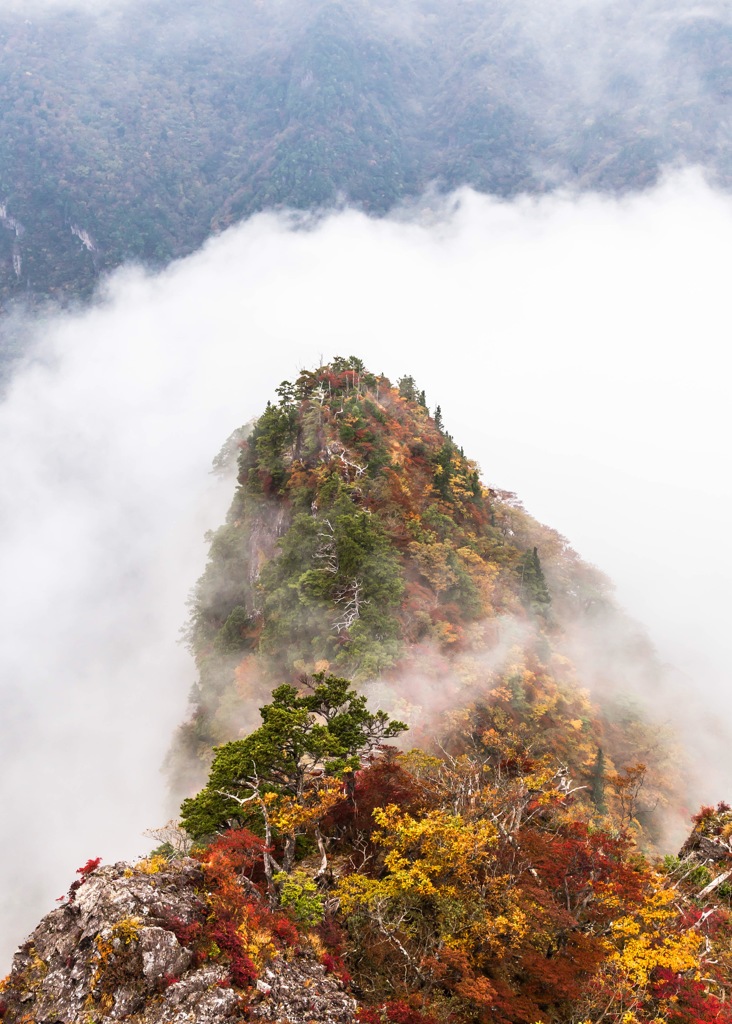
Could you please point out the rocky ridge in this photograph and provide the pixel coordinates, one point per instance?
(116, 950)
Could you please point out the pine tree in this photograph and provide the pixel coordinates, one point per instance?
(534, 591)
(408, 388)
(597, 790)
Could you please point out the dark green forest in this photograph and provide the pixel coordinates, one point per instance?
(134, 135)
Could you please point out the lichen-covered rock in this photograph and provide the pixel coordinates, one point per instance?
(116, 951)
(109, 951)
(301, 991)
(711, 838)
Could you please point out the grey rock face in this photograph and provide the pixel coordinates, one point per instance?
(300, 992)
(111, 953)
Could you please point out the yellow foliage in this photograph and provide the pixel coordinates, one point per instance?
(257, 944)
(37, 969)
(447, 861)
(315, 943)
(417, 761)
(642, 953)
(119, 937)
(356, 891)
(483, 573)
(445, 632)
(291, 815)
(644, 940)
(439, 845)
(432, 560)
(152, 865)
(127, 930)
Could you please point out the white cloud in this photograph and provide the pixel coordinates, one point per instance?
(579, 350)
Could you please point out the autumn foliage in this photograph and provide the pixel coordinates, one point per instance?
(505, 869)
(482, 913)
(362, 542)
(83, 872)
(471, 888)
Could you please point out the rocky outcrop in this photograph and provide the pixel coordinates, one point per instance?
(710, 841)
(300, 991)
(116, 950)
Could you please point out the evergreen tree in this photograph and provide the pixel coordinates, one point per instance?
(534, 591)
(303, 737)
(408, 388)
(597, 790)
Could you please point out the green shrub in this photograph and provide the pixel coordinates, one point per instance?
(299, 894)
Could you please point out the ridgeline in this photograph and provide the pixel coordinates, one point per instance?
(422, 796)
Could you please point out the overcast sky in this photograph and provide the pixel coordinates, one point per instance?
(579, 351)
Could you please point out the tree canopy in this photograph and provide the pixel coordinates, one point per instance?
(306, 740)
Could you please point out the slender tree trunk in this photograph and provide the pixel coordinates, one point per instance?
(288, 858)
(270, 864)
(323, 855)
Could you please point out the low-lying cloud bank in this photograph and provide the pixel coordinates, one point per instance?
(576, 346)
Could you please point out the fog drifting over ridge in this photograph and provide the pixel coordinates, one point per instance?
(576, 346)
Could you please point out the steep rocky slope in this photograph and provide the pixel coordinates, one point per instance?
(121, 948)
(193, 941)
(501, 865)
(362, 541)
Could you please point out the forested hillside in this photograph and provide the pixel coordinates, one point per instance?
(413, 811)
(135, 132)
(362, 541)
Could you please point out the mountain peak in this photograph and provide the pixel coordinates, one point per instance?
(361, 541)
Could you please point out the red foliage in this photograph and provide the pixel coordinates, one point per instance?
(366, 1016)
(242, 970)
(686, 1001)
(335, 965)
(382, 783)
(91, 865)
(562, 896)
(73, 889)
(231, 908)
(3, 1007)
(516, 766)
(575, 865)
(188, 934)
(166, 981)
(284, 929)
(709, 820)
(397, 1012)
(332, 935)
(235, 850)
(85, 870)
(704, 813)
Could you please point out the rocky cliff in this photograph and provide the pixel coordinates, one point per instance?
(121, 947)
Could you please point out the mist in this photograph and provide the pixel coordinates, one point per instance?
(576, 346)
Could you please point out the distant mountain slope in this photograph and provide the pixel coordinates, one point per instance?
(135, 134)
